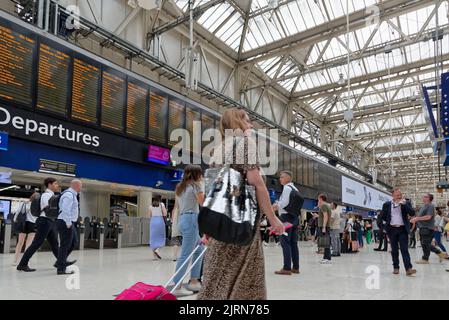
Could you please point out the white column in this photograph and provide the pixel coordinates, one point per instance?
(144, 202)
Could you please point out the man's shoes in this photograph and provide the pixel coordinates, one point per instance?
(396, 271)
(377, 249)
(422, 261)
(25, 269)
(409, 272)
(336, 255)
(65, 272)
(68, 263)
(295, 271)
(442, 256)
(284, 272)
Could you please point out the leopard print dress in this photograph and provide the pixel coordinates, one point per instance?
(232, 272)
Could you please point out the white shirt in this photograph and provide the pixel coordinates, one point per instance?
(350, 225)
(30, 217)
(284, 199)
(44, 200)
(157, 211)
(396, 215)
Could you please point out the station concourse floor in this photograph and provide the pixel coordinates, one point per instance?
(105, 273)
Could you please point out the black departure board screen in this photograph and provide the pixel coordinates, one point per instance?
(85, 91)
(157, 123)
(112, 104)
(16, 63)
(175, 118)
(191, 116)
(136, 110)
(53, 76)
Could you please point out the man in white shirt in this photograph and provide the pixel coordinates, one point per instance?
(289, 242)
(44, 228)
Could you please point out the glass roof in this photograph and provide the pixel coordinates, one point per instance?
(382, 54)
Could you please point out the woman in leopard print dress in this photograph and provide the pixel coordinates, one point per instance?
(234, 272)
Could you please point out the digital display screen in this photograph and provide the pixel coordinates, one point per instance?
(53, 76)
(159, 155)
(5, 208)
(16, 63)
(175, 118)
(56, 167)
(157, 129)
(85, 91)
(136, 112)
(191, 117)
(112, 104)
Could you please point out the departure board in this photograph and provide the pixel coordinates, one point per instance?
(136, 110)
(175, 118)
(191, 116)
(157, 130)
(16, 60)
(85, 91)
(112, 104)
(207, 122)
(53, 76)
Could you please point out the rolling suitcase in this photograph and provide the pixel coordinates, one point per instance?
(143, 291)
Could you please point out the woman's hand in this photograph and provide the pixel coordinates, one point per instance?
(205, 240)
(277, 226)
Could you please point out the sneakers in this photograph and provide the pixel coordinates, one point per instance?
(181, 292)
(284, 272)
(265, 244)
(422, 261)
(409, 272)
(396, 271)
(194, 287)
(325, 261)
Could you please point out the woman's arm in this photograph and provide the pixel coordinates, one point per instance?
(164, 210)
(263, 199)
(200, 198)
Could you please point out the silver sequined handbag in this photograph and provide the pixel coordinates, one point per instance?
(230, 210)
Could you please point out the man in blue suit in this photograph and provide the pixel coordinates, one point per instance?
(396, 214)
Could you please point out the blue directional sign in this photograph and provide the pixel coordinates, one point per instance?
(4, 139)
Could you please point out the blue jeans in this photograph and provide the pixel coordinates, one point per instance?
(360, 238)
(188, 226)
(437, 236)
(289, 243)
(399, 239)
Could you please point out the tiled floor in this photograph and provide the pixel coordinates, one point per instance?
(105, 273)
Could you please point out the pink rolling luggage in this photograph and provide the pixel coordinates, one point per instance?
(143, 291)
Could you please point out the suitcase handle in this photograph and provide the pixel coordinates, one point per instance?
(188, 269)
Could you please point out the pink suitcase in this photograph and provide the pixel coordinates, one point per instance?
(143, 291)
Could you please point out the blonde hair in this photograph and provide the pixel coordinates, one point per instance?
(232, 119)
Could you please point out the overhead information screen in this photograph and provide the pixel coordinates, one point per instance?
(112, 104)
(175, 119)
(53, 76)
(191, 116)
(16, 60)
(157, 129)
(136, 110)
(85, 91)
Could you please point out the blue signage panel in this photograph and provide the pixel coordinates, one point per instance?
(176, 175)
(4, 141)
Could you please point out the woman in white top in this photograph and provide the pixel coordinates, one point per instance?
(26, 226)
(352, 234)
(157, 213)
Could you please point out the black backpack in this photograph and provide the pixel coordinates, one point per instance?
(35, 207)
(295, 202)
(21, 218)
(356, 226)
(52, 211)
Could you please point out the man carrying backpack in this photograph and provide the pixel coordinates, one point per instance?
(65, 223)
(289, 208)
(44, 225)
